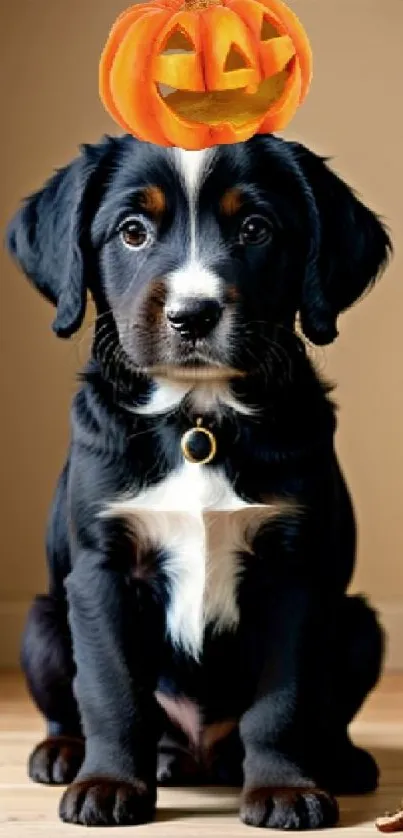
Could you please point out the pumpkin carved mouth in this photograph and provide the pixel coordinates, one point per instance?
(237, 107)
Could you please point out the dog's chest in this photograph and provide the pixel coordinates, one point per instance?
(204, 530)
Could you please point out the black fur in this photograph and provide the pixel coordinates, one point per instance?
(304, 655)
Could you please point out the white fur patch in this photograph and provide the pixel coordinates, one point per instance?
(193, 278)
(202, 525)
(166, 396)
(205, 397)
(193, 167)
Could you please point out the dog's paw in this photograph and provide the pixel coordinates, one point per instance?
(57, 760)
(101, 801)
(288, 808)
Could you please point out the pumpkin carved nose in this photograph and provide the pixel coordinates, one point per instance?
(194, 319)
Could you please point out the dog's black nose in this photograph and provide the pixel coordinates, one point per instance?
(194, 319)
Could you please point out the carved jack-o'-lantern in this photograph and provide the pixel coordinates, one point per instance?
(195, 73)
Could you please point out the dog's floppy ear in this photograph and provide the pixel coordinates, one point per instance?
(349, 247)
(49, 236)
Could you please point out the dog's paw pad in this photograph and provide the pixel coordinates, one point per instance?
(288, 808)
(57, 760)
(101, 801)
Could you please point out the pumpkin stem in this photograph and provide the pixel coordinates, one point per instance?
(196, 5)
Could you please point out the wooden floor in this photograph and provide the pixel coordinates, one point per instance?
(27, 809)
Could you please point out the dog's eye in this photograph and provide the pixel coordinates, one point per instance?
(256, 229)
(136, 233)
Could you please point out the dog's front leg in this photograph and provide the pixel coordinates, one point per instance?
(116, 642)
(278, 789)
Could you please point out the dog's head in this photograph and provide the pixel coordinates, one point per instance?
(199, 258)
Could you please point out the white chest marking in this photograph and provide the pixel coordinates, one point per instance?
(195, 516)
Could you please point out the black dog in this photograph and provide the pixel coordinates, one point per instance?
(197, 627)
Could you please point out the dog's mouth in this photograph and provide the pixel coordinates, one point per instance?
(193, 371)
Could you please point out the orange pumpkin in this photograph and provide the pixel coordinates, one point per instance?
(195, 73)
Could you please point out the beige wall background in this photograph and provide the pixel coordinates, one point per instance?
(49, 51)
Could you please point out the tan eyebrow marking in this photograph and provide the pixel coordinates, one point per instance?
(153, 200)
(152, 306)
(231, 201)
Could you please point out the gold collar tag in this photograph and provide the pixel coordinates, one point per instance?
(199, 445)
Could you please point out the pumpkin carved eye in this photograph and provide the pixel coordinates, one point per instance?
(136, 233)
(268, 31)
(177, 44)
(255, 229)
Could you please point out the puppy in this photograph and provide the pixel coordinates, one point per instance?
(197, 627)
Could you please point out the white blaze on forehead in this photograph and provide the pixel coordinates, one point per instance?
(193, 167)
(193, 278)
